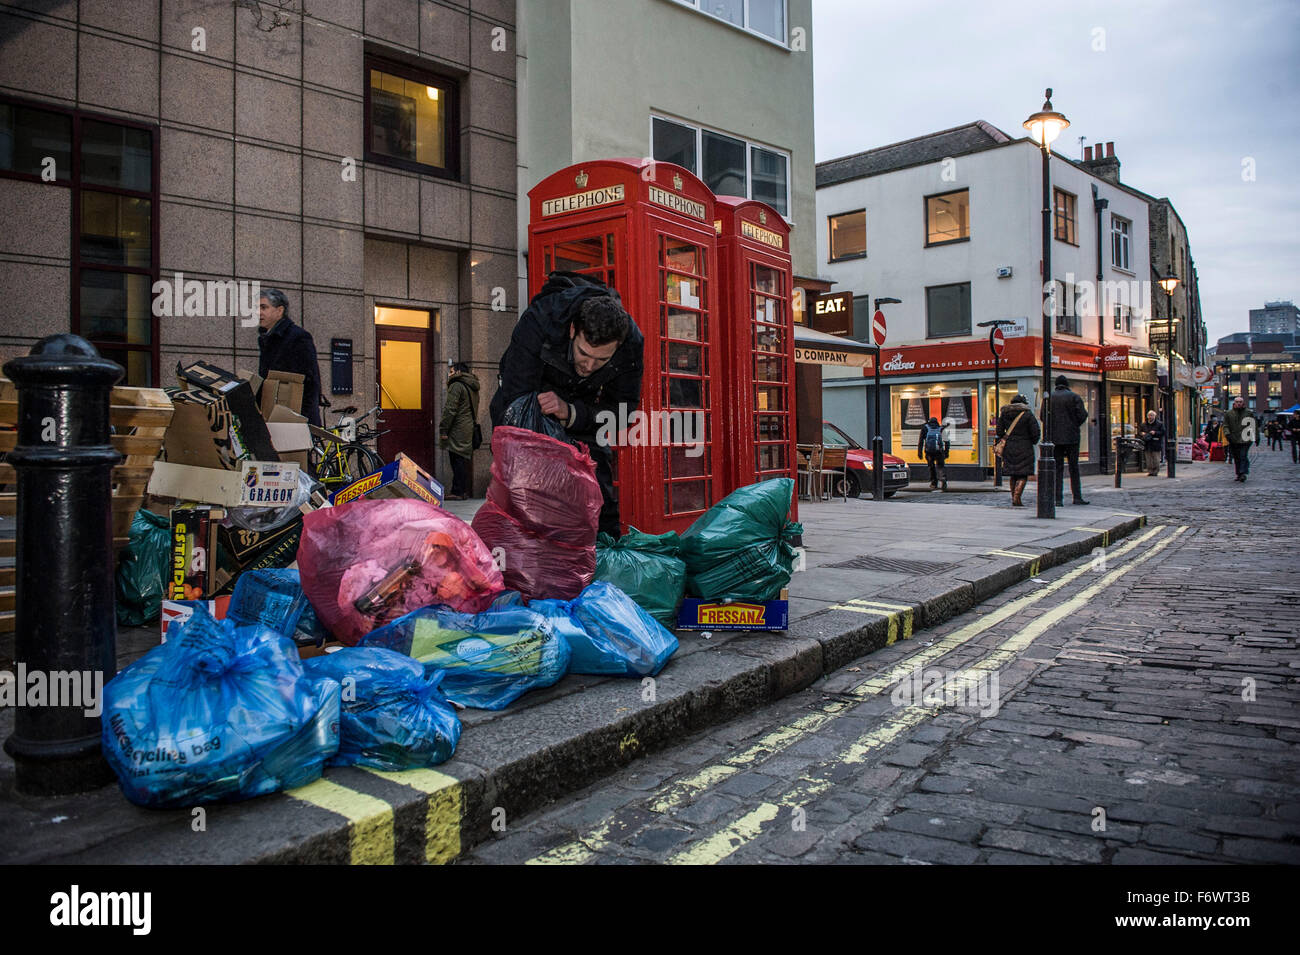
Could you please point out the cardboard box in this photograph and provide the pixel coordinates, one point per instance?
(280, 388)
(240, 400)
(194, 573)
(290, 434)
(401, 478)
(268, 483)
(203, 433)
(240, 550)
(181, 482)
(178, 611)
(699, 614)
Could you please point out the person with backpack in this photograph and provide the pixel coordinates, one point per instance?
(934, 448)
(1018, 433)
(457, 430)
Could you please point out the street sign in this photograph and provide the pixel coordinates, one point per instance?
(878, 327)
(997, 341)
(1201, 374)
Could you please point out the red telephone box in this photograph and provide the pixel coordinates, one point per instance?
(647, 229)
(758, 330)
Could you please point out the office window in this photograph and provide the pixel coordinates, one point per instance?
(947, 217)
(1067, 308)
(730, 166)
(1119, 235)
(1124, 319)
(30, 137)
(411, 119)
(947, 310)
(764, 17)
(1065, 224)
(848, 232)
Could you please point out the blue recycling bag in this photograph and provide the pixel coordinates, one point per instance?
(491, 658)
(618, 638)
(394, 716)
(218, 712)
(274, 598)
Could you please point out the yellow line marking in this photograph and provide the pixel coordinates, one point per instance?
(727, 841)
(1008, 553)
(685, 789)
(880, 603)
(370, 819)
(442, 822)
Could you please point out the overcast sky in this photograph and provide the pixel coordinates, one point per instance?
(1186, 89)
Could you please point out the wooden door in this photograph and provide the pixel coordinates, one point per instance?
(405, 370)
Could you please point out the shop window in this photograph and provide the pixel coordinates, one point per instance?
(1119, 236)
(729, 165)
(955, 408)
(411, 119)
(947, 310)
(947, 217)
(848, 235)
(1065, 218)
(764, 17)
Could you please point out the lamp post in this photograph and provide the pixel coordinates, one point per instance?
(1169, 283)
(878, 442)
(1044, 126)
(993, 327)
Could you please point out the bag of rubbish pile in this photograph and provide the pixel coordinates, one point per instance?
(491, 658)
(367, 563)
(143, 571)
(393, 717)
(616, 636)
(275, 599)
(542, 510)
(218, 712)
(525, 412)
(646, 567)
(740, 547)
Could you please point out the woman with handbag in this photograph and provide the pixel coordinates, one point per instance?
(1018, 433)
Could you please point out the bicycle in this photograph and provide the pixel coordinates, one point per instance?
(339, 455)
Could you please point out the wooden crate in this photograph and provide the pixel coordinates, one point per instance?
(139, 417)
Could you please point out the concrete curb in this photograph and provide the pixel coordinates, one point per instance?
(571, 736)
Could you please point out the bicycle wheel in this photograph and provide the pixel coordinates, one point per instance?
(361, 461)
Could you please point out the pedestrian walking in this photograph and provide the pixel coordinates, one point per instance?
(456, 428)
(933, 444)
(1293, 433)
(1274, 435)
(1018, 433)
(1153, 439)
(284, 346)
(1241, 429)
(1068, 416)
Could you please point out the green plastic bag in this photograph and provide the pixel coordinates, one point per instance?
(740, 548)
(143, 570)
(647, 568)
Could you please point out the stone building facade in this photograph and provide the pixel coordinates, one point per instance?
(357, 154)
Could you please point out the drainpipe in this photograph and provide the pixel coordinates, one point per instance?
(1103, 428)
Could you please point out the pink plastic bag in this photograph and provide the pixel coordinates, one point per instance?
(542, 510)
(367, 563)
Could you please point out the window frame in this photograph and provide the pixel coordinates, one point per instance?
(925, 218)
(394, 65)
(830, 236)
(1067, 292)
(749, 159)
(783, 43)
(1116, 236)
(1072, 222)
(1122, 318)
(75, 188)
(970, 318)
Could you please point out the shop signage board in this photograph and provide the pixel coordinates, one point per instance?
(1184, 449)
(833, 314)
(1114, 357)
(975, 355)
(699, 614)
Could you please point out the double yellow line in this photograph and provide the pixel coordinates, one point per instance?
(717, 847)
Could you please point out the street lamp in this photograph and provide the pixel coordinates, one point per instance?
(878, 442)
(1044, 126)
(993, 327)
(1169, 283)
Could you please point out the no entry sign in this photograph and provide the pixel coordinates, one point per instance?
(997, 341)
(878, 327)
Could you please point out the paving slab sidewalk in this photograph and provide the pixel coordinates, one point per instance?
(872, 573)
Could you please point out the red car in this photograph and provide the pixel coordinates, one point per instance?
(859, 478)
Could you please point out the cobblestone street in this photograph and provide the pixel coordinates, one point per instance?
(1138, 706)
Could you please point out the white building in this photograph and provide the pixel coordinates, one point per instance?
(951, 224)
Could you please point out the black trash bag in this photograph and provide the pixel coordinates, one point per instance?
(525, 412)
(142, 573)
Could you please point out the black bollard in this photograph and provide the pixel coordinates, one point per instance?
(66, 628)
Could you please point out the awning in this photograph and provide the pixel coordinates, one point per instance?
(812, 347)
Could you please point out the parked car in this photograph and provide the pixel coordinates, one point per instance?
(860, 460)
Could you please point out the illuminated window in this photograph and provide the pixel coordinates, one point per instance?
(947, 217)
(848, 234)
(411, 119)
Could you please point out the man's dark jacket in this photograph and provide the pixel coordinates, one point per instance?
(289, 347)
(538, 358)
(1068, 415)
(1153, 435)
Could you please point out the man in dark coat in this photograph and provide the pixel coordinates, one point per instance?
(284, 346)
(1241, 428)
(578, 349)
(1153, 442)
(1068, 416)
(456, 428)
